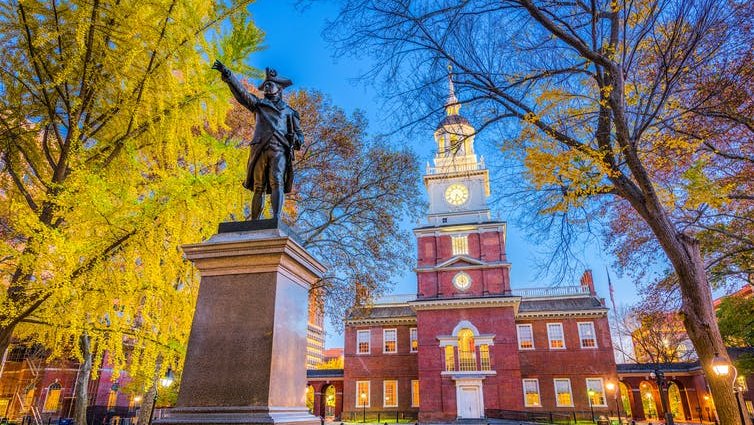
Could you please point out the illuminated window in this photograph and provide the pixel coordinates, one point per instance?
(28, 400)
(414, 340)
(750, 407)
(460, 245)
(362, 394)
(466, 350)
(415, 393)
(741, 381)
(563, 396)
(595, 391)
(53, 398)
(450, 358)
(587, 335)
(112, 400)
(390, 393)
(531, 393)
(390, 337)
(362, 342)
(484, 356)
(555, 335)
(525, 337)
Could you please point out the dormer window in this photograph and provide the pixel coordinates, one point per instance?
(460, 244)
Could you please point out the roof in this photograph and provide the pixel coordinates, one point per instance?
(560, 304)
(649, 367)
(324, 373)
(453, 119)
(332, 352)
(554, 304)
(733, 352)
(380, 312)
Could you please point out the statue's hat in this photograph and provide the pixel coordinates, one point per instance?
(272, 75)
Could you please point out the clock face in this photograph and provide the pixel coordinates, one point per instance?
(457, 194)
(462, 281)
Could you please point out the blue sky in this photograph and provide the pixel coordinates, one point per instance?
(295, 47)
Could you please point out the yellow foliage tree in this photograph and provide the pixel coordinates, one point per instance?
(105, 170)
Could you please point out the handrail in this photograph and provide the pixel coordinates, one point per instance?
(554, 291)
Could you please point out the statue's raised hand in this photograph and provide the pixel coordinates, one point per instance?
(219, 66)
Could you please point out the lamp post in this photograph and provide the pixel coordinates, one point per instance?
(364, 406)
(165, 382)
(614, 389)
(722, 368)
(662, 383)
(591, 406)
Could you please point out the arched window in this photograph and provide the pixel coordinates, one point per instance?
(626, 401)
(648, 400)
(466, 350)
(674, 398)
(53, 398)
(310, 398)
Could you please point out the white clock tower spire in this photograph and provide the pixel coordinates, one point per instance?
(458, 184)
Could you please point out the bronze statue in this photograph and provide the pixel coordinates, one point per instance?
(276, 135)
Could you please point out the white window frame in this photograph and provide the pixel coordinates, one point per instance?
(459, 244)
(581, 337)
(602, 385)
(413, 335)
(384, 340)
(368, 393)
(549, 336)
(368, 333)
(518, 335)
(384, 386)
(415, 393)
(570, 391)
(539, 393)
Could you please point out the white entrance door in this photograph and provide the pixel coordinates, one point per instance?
(469, 402)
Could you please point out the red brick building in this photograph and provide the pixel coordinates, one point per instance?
(35, 389)
(467, 345)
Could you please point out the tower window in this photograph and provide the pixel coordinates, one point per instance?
(460, 244)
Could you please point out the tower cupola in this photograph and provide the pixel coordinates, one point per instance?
(457, 182)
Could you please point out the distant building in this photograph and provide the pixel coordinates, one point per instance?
(331, 354)
(38, 390)
(315, 341)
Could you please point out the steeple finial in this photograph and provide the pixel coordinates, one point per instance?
(451, 105)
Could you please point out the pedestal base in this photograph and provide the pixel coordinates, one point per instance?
(242, 415)
(246, 356)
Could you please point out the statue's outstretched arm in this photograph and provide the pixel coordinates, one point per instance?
(239, 91)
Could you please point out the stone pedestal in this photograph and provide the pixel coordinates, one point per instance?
(246, 358)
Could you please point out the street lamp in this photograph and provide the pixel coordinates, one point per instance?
(591, 406)
(364, 405)
(721, 366)
(659, 377)
(165, 382)
(614, 389)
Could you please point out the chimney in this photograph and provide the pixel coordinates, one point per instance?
(586, 280)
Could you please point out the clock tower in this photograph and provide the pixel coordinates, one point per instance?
(457, 183)
(461, 249)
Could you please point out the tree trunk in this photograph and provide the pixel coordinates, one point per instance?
(82, 380)
(6, 333)
(150, 398)
(699, 319)
(147, 404)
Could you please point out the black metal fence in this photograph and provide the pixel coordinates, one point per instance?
(560, 418)
(383, 416)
